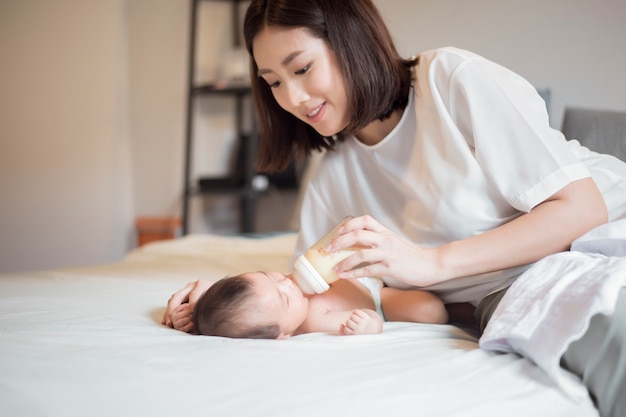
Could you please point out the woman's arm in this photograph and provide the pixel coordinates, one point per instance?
(548, 228)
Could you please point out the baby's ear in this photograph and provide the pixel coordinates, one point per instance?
(283, 336)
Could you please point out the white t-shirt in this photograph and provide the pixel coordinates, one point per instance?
(472, 151)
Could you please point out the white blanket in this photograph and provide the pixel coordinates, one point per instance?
(550, 305)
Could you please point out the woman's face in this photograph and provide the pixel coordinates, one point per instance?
(304, 77)
(279, 299)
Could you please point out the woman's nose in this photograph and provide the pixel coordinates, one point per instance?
(296, 95)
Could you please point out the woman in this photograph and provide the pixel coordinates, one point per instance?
(452, 153)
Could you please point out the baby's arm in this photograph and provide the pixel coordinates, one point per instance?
(362, 321)
(346, 322)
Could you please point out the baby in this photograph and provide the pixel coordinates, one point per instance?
(269, 305)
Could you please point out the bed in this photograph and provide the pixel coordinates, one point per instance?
(89, 342)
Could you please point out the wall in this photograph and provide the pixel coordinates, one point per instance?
(92, 98)
(158, 53)
(573, 47)
(64, 135)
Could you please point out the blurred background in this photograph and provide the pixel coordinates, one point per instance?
(93, 102)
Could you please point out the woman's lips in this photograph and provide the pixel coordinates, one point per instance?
(317, 113)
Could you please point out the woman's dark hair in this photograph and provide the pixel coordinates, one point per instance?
(377, 79)
(220, 311)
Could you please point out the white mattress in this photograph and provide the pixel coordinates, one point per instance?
(88, 342)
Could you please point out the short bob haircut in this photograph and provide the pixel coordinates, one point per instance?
(377, 79)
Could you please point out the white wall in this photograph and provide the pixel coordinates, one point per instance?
(574, 47)
(64, 142)
(92, 97)
(158, 53)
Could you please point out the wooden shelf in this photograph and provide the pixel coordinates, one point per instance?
(210, 89)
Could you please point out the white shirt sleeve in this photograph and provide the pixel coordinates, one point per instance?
(506, 123)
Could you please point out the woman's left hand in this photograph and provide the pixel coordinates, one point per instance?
(384, 254)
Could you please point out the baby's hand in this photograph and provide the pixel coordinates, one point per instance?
(182, 318)
(183, 300)
(362, 321)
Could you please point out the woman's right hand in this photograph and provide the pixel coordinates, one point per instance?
(385, 253)
(181, 304)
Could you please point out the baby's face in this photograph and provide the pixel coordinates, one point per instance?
(281, 301)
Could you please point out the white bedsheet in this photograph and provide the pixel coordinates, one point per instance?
(88, 342)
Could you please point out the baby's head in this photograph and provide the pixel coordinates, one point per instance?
(255, 305)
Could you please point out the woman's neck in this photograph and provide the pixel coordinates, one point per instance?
(376, 131)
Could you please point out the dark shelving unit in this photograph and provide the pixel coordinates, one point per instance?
(238, 183)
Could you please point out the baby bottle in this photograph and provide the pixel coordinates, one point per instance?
(313, 271)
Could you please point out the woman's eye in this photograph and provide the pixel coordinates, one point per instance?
(275, 84)
(303, 70)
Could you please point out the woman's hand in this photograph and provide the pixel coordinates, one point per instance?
(384, 254)
(180, 305)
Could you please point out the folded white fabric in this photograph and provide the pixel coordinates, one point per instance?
(608, 239)
(550, 305)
